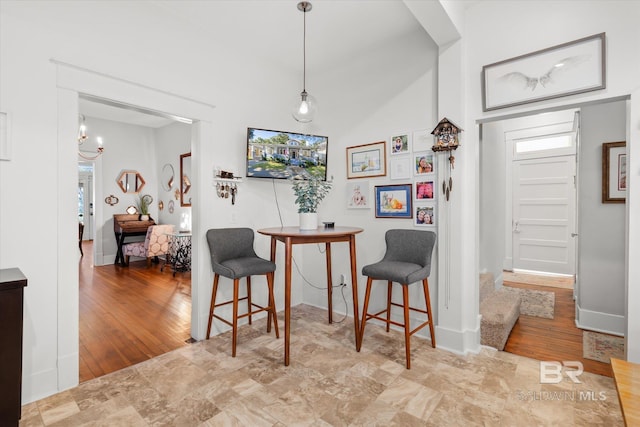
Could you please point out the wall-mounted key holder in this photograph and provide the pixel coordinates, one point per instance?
(227, 188)
(226, 184)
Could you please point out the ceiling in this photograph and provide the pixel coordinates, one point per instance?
(337, 33)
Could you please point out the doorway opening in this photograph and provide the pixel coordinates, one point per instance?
(541, 199)
(129, 313)
(528, 198)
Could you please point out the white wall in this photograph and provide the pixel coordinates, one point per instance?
(601, 296)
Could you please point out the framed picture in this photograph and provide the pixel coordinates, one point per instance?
(614, 172)
(425, 216)
(393, 201)
(566, 69)
(422, 140)
(425, 190)
(400, 144)
(358, 195)
(400, 167)
(367, 160)
(423, 163)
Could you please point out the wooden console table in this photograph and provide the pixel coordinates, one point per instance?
(126, 225)
(12, 284)
(292, 236)
(627, 379)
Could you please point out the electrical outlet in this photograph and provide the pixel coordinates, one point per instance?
(342, 279)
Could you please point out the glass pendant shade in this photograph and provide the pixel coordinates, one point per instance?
(306, 108)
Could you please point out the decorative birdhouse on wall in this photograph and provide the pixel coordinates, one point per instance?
(446, 140)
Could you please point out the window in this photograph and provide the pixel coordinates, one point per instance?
(549, 142)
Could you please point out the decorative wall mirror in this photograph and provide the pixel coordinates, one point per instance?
(185, 179)
(167, 177)
(130, 182)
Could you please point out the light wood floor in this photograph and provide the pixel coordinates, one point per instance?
(129, 314)
(556, 339)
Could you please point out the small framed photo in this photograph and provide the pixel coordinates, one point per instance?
(358, 195)
(400, 144)
(393, 201)
(367, 160)
(425, 216)
(422, 140)
(423, 162)
(425, 190)
(400, 167)
(614, 172)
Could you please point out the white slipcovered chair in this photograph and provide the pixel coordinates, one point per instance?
(155, 243)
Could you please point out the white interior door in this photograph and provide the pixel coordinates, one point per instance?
(544, 204)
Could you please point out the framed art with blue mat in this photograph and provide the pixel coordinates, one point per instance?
(394, 201)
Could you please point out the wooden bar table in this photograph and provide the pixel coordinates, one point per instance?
(627, 379)
(292, 236)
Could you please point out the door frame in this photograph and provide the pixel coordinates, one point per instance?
(71, 82)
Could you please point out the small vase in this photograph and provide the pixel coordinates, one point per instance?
(308, 220)
(144, 217)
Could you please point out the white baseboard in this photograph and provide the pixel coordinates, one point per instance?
(39, 385)
(68, 371)
(459, 342)
(52, 381)
(600, 322)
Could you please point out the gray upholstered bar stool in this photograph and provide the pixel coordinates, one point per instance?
(233, 257)
(407, 260)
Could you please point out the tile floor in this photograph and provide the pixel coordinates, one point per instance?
(328, 384)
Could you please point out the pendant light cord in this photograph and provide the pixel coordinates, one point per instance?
(304, 50)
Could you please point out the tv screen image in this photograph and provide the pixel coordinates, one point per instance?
(284, 155)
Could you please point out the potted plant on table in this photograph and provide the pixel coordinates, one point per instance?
(309, 193)
(143, 207)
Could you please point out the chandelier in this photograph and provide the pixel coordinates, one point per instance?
(82, 137)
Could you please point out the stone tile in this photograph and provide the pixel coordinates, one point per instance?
(452, 410)
(328, 383)
(377, 413)
(57, 407)
(117, 410)
(30, 416)
(411, 397)
(249, 415)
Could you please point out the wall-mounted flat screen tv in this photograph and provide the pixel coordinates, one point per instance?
(284, 155)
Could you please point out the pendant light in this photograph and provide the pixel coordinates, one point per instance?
(306, 108)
